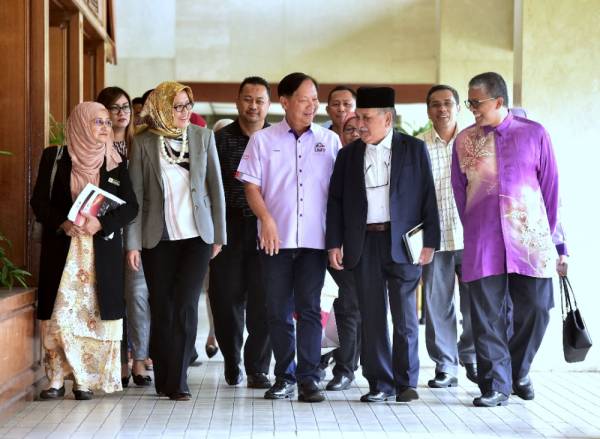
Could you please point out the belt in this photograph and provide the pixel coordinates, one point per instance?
(378, 227)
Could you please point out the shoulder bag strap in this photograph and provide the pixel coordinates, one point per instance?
(59, 153)
(567, 298)
(569, 291)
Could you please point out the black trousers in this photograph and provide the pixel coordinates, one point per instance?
(505, 353)
(293, 282)
(347, 319)
(235, 285)
(379, 278)
(174, 272)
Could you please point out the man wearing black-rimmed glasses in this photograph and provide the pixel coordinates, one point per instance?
(505, 183)
(381, 188)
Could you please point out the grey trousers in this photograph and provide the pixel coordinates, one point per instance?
(138, 312)
(440, 313)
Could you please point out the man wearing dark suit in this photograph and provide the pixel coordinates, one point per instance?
(381, 188)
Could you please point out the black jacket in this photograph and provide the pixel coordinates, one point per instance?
(52, 211)
(412, 199)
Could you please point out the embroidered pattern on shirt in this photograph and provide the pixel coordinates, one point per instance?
(475, 150)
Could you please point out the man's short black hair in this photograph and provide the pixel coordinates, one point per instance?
(137, 100)
(341, 88)
(255, 80)
(289, 84)
(439, 87)
(493, 84)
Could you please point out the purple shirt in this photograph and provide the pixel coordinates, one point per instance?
(505, 184)
(293, 175)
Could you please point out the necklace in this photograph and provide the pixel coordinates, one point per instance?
(170, 157)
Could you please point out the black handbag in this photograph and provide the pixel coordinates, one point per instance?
(576, 338)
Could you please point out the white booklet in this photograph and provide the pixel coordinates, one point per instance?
(413, 242)
(94, 201)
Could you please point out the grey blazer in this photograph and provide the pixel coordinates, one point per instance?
(206, 187)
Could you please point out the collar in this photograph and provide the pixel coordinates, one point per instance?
(287, 128)
(500, 129)
(437, 140)
(386, 142)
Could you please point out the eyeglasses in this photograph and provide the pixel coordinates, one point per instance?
(350, 130)
(475, 103)
(125, 108)
(102, 122)
(372, 178)
(181, 107)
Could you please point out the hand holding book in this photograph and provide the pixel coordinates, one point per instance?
(91, 226)
(413, 243)
(91, 203)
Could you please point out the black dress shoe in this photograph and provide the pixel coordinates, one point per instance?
(491, 398)
(471, 370)
(441, 380)
(280, 390)
(52, 393)
(309, 391)
(211, 350)
(258, 381)
(339, 382)
(194, 362)
(83, 395)
(233, 374)
(375, 397)
(523, 388)
(406, 394)
(142, 380)
(125, 381)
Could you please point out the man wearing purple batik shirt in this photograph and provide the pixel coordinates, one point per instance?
(286, 170)
(505, 183)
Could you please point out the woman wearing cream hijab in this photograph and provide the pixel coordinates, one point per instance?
(176, 176)
(80, 294)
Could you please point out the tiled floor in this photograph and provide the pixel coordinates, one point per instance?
(567, 404)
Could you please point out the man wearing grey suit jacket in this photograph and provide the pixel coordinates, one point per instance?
(180, 226)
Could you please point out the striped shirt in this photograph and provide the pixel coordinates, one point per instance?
(440, 154)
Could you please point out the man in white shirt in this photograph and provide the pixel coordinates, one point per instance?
(440, 276)
(381, 188)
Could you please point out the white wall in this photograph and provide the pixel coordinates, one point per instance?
(406, 41)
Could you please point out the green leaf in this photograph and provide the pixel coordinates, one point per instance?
(9, 272)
